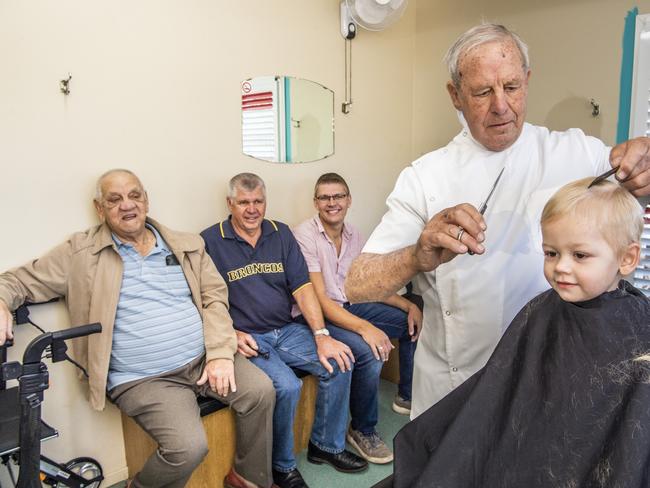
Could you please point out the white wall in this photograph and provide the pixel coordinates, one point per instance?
(575, 49)
(156, 88)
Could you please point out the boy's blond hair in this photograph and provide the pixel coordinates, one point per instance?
(613, 210)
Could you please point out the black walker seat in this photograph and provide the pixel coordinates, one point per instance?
(209, 405)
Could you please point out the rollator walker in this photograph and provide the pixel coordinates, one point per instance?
(21, 426)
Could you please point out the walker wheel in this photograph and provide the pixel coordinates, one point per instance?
(87, 468)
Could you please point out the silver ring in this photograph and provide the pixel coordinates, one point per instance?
(460, 233)
(379, 347)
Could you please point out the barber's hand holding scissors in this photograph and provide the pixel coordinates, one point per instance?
(450, 232)
(633, 160)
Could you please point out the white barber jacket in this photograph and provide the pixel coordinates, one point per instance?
(471, 300)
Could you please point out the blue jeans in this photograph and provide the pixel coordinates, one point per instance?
(365, 376)
(293, 346)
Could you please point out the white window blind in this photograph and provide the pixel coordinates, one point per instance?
(640, 126)
(261, 127)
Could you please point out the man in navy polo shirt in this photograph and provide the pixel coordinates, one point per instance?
(266, 274)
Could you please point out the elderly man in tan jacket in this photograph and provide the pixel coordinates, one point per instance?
(167, 335)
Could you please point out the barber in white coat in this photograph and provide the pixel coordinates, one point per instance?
(427, 232)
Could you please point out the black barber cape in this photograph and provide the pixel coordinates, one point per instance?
(563, 402)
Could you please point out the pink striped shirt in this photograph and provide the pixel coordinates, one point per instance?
(320, 254)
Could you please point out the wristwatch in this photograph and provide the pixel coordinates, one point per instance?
(322, 331)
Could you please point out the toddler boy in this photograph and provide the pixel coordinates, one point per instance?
(564, 400)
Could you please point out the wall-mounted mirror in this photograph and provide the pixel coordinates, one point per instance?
(286, 119)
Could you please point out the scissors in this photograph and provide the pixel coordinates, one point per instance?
(602, 177)
(484, 205)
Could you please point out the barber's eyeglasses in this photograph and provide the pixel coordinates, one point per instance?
(336, 197)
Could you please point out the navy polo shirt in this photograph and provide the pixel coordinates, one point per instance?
(262, 279)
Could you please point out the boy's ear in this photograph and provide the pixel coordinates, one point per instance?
(630, 258)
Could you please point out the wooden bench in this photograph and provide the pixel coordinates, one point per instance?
(219, 423)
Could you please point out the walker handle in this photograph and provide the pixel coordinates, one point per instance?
(82, 330)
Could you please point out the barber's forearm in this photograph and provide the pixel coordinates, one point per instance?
(375, 277)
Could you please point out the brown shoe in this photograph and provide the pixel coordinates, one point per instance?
(234, 480)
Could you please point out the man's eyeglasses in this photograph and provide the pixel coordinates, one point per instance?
(336, 197)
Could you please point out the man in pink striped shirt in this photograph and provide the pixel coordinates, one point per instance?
(329, 245)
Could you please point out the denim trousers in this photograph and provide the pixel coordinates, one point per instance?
(293, 346)
(365, 377)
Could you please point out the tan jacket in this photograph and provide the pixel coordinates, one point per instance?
(87, 271)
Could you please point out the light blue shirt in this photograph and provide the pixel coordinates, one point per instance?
(157, 326)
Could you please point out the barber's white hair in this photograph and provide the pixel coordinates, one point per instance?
(246, 182)
(476, 36)
(99, 191)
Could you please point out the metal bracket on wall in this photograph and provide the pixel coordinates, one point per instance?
(346, 106)
(595, 108)
(64, 85)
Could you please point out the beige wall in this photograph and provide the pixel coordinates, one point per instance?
(575, 49)
(156, 88)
